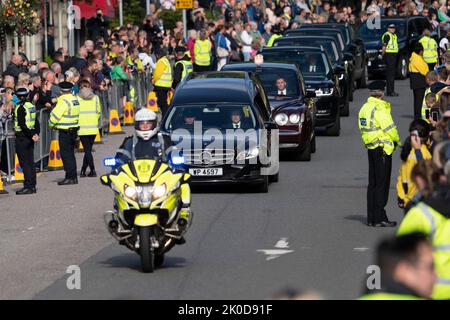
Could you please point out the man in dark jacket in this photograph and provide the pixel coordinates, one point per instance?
(15, 67)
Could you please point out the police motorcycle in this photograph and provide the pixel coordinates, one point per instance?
(150, 196)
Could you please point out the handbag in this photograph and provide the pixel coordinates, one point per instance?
(222, 53)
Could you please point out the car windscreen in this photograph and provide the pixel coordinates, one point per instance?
(312, 64)
(274, 80)
(336, 34)
(328, 46)
(369, 32)
(214, 116)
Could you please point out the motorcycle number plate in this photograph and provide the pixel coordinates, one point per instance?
(210, 172)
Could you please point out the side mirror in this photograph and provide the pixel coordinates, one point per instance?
(310, 93)
(270, 125)
(105, 180)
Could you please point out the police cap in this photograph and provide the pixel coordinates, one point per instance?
(378, 85)
(66, 86)
(391, 26)
(22, 92)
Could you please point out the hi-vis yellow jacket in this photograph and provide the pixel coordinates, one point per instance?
(89, 115)
(406, 190)
(66, 112)
(377, 126)
(424, 219)
(162, 77)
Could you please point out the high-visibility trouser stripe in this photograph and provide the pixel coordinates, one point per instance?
(66, 124)
(379, 142)
(54, 116)
(88, 112)
(124, 152)
(392, 126)
(443, 281)
(424, 208)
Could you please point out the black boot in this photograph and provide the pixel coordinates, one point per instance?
(83, 173)
(92, 174)
(25, 191)
(67, 182)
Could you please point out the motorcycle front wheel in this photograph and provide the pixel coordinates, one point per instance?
(145, 250)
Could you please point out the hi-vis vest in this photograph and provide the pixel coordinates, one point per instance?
(202, 52)
(30, 118)
(66, 113)
(423, 218)
(376, 125)
(89, 115)
(187, 67)
(388, 296)
(430, 49)
(392, 46)
(166, 77)
(272, 39)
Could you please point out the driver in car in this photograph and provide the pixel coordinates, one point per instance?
(281, 87)
(236, 119)
(313, 65)
(189, 119)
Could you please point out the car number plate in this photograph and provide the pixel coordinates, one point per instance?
(210, 172)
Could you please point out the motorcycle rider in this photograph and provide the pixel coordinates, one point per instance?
(145, 144)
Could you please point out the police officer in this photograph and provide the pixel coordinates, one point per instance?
(27, 133)
(64, 118)
(202, 53)
(183, 66)
(380, 136)
(430, 49)
(390, 53)
(407, 269)
(276, 33)
(162, 79)
(146, 144)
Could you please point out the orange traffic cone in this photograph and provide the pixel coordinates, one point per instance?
(152, 102)
(54, 159)
(128, 116)
(2, 189)
(98, 138)
(114, 122)
(18, 172)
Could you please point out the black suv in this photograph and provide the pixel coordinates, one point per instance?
(324, 81)
(221, 122)
(329, 45)
(408, 30)
(354, 46)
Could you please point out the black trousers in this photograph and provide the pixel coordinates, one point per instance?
(198, 68)
(380, 166)
(67, 140)
(88, 160)
(431, 66)
(25, 153)
(418, 99)
(391, 68)
(161, 96)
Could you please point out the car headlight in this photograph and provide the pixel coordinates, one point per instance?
(324, 92)
(294, 118)
(248, 154)
(159, 191)
(281, 119)
(130, 192)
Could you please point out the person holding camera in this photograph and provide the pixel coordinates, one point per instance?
(415, 149)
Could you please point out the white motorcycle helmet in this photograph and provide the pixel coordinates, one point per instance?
(145, 124)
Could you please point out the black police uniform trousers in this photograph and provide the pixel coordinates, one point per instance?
(25, 153)
(391, 68)
(380, 167)
(161, 96)
(67, 140)
(88, 159)
(419, 94)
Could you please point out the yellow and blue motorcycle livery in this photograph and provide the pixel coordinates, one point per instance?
(152, 201)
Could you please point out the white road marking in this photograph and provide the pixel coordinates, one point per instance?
(362, 249)
(281, 247)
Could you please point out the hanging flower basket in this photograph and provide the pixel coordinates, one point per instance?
(19, 17)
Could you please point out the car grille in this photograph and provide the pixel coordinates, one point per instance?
(209, 157)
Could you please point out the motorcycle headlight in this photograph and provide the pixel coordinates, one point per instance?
(248, 154)
(281, 119)
(159, 191)
(294, 118)
(130, 192)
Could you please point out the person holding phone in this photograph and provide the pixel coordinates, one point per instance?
(415, 149)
